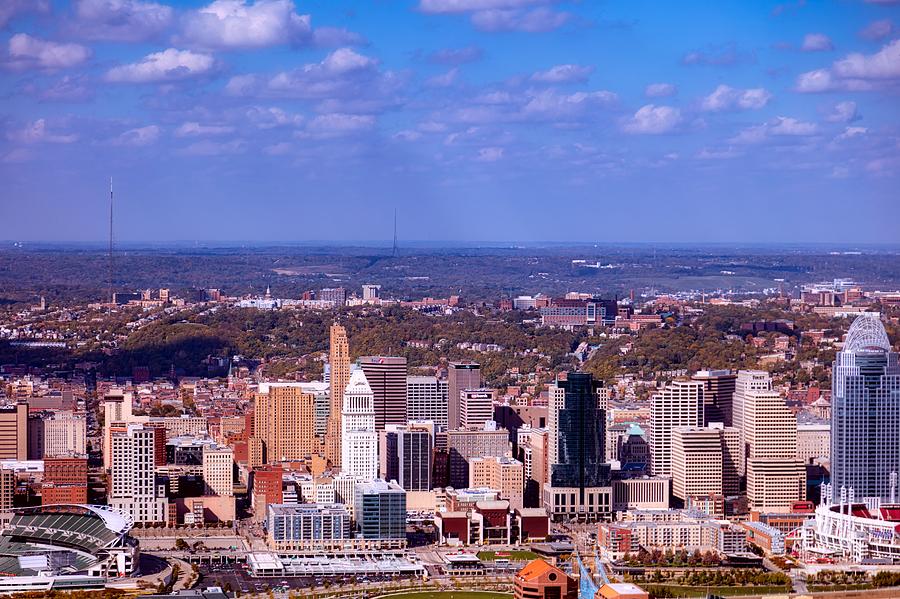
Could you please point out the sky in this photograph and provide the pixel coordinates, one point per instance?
(476, 120)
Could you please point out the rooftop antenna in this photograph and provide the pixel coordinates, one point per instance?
(394, 251)
(110, 251)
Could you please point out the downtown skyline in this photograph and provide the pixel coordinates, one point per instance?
(507, 120)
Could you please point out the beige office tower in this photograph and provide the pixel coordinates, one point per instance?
(776, 477)
(747, 381)
(339, 362)
(704, 461)
(117, 413)
(14, 432)
(503, 474)
(285, 421)
(680, 403)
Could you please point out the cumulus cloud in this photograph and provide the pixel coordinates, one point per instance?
(843, 112)
(851, 132)
(456, 56)
(272, 116)
(878, 30)
(653, 120)
(553, 106)
(246, 24)
(778, 127)
(816, 42)
(10, 9)
(168, 65)
(855, 72)
(725, 97)
(120, 20)
(27, 52)
(564, 73)
(660, 90)
(38, 132)
(70, 88)
(141, 136)
(195, 129)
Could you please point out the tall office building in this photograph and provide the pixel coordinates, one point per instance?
(579, 484)
(718, 391)
(65, 481)
(359, 439)
(705, 461)
(865, 412)
(476, 407)
(463, 445)
(339, 376)
(387, 378)
(218, 470)
(426, 399)
(460, 375)
(746, 381)
(133, 487)
(678, 404)
(117, 413)
(284, 422)
(503, 474)
(64, 434)
(14, 432)
(379, 510)
(407, 455)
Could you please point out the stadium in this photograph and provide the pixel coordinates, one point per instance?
(854, 531)
(65, 546)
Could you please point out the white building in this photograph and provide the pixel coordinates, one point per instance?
(218, 470)
(678, 404)
(426, 399)
(476, 407)
(359, 440)
(134, 489)
(813, 441)
(64, 434)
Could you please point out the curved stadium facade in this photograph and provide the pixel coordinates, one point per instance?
(54, 542)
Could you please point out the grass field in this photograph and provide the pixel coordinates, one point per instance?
(453, 595)
(487, 556)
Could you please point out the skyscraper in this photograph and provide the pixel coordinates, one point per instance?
(476, 407)
(426, 399)
(680, 403)
(460, 376)
(133, 487)
(579, 479)
(284, 421)
(865, 412)
(359, 440)
(718, 391)
(339, 364)
(406, 455)
(387, 377)
(704, 461)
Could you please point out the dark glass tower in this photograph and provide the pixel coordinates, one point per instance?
(580, 438)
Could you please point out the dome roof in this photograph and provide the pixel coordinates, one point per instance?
(867, 334)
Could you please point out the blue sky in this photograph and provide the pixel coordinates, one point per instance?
(476, 120)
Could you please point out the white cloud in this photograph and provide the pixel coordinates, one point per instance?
(660, 90)
(195, 129)
(26, 52)
(843, 112)
(120, 20)
(851, 132)
(816, 42)
(720, 154)
(551, 105)
(271, 117)
(37, 132)
(653, 120)
(345, 60)
(878, 30)
(168, 65)
(456, 6)
(142, 136)
(778, 127)
(728, 98)
(9, 9)
(855, 72)
(532, 21)
(340, 124)
(407, 135)
(444, 79)
(490, 154)
(564, 73)
(246, 24)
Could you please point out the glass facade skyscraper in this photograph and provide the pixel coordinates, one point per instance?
(865, 412)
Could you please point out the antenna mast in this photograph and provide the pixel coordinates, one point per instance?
(110, 253)
(394, 252)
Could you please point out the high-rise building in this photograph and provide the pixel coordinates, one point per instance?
(379, 509)
(64, 434)
(284, 421)
(718, 390)
(337, 295)
(14, 432)
(218, 470)
(407, 455)
(865, 412)
(705, 461)
(117, 413)
(776, 477)
(339, 376)
(503, 474)
(387, 378)
(460, 375)
(65, 481)
(370, 292)
(463, 445)
(133, 487)
(476, 407)
(680, 403)
(426, 399)
(579, 485)
(359, 439)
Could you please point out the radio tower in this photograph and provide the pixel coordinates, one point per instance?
(394, 252)
(110, 252)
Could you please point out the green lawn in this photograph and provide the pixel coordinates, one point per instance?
(452, 595)
(661, 590)
(523, 555)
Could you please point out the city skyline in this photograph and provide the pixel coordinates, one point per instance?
(236, 120)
